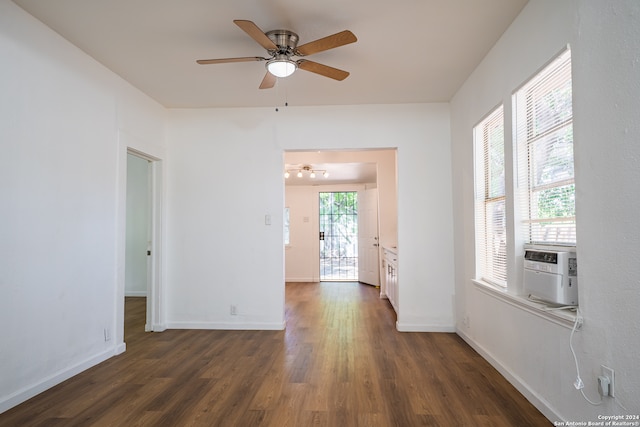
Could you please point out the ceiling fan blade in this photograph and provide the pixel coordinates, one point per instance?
(256, 33)
(323, 70)
(336, 40)
(227, 60)
(268, 81)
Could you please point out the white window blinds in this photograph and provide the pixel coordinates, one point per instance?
(491, 239)
(544, 135)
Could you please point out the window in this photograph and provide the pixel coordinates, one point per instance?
(491, 236)
(544, 138)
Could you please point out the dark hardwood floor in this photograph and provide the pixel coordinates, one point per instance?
(340, 362)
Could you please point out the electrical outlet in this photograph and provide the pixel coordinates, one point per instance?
(233, 310)
(610, 375)
(466, 322)
(107, 335)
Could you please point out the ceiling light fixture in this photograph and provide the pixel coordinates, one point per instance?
(306, 169)
(281, 66)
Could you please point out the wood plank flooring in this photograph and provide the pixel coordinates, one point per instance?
(340, 362)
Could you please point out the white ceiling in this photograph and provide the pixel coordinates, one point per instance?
(408, 51)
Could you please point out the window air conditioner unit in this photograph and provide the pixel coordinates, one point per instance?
(551, 276)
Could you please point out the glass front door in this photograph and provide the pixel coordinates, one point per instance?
(339, 236)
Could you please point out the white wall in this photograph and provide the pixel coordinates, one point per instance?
(137, 228)
(531, 351)
(62, 120)
(223, 254)
(301, 262)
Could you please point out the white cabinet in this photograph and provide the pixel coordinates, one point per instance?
(390, 268)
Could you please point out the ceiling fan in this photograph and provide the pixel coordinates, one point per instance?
(282, 45)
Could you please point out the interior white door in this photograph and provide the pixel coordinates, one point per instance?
(368, 243)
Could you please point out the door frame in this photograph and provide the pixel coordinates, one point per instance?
(155, 312)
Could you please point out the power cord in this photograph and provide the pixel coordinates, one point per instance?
(578, 384)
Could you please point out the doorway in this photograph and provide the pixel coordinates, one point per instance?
(338, 236)
(142, 269)
(370, 173)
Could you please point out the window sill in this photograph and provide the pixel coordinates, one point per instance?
(562, 317)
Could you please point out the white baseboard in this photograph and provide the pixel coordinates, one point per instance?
(135, 293)
(414, 327)
(227, 326)
(27, 393)
(158, 327)
(120, 348)
(300, 279)
(536, 400)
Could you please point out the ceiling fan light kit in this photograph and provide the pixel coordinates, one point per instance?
(306, 169)
(281, 66)
(281, 45)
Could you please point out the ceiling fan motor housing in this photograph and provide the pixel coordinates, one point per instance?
(286, 40)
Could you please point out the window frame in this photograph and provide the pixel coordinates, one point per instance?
(551, 230)
(491, 262)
